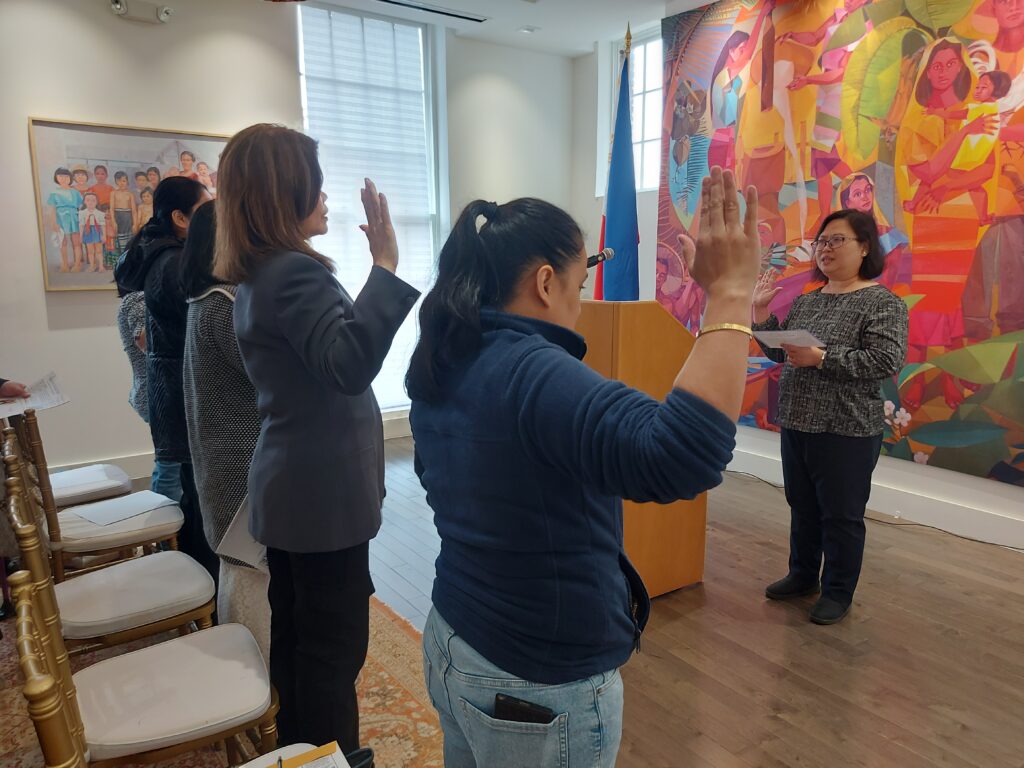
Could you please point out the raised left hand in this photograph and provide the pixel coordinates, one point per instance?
(803, 357)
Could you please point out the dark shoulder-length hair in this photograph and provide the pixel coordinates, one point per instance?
(197, 256)
(482, 268)
(866, 231)
(962, 84)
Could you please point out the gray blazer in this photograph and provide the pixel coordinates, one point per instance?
(316, 481)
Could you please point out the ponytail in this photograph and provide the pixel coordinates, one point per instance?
(483, 268)
(175, 193)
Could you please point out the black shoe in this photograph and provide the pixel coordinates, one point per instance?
(361, 758)
(828, 611)
(6, 610)
(790, 587)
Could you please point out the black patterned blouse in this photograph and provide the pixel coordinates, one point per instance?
(865, 336)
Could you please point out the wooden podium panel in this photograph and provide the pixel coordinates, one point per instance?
(642, 345)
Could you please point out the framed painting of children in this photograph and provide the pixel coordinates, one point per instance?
(94, 189)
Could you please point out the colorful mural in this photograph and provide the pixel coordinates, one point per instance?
(910, 110)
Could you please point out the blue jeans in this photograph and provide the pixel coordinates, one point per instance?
(462, 684)
(167, 479)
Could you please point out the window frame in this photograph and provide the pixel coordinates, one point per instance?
(611, 67)
(435, 99)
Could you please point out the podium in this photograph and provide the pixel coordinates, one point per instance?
(640, 344)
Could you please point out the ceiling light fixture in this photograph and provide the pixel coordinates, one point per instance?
(529, 30)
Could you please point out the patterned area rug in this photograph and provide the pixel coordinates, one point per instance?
(396, 716)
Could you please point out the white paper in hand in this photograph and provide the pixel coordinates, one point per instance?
(799, 338)
(43, 394)
(238, 543)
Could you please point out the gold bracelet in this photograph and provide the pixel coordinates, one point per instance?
(726, 327)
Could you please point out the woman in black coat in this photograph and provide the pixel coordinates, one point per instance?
(153, 264)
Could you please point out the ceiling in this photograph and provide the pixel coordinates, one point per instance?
(566, 27)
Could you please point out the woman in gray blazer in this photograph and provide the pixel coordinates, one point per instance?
(316, 481)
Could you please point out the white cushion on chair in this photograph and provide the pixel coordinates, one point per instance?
(132, 594)
(97, 481)
(269, 760)
(79, 535)
(173, 692)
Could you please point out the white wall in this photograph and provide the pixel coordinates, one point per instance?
(509, 124)
(216, 67)
(969, 506)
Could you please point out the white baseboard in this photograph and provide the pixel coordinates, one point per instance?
(950, 501)
(140, 465)
(396, 424)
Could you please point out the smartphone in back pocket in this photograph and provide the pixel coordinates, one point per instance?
(518, 711)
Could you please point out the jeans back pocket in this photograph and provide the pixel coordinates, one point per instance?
(515, 745)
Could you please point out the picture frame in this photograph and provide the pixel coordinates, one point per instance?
(93, 185)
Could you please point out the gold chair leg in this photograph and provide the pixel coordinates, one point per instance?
(173, 542)
(232, 752)
(268, 736)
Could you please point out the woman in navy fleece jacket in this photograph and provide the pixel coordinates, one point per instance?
(525, 454)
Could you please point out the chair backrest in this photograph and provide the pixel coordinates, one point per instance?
(37, 590)
(10, 446)
(26, 427)
(17, 467)
(35, 481)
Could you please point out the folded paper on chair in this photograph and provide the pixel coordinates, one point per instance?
(796, 338)
(43, 394)
(238, 543)
(111, 511)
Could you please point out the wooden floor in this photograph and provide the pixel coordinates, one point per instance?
(928, 669)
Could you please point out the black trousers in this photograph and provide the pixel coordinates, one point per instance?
(319, 630)
(191, 538)
(828, 481)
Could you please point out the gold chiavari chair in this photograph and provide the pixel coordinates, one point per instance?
(82, 484)
(124, 602)
(145, 706)
(72, 536)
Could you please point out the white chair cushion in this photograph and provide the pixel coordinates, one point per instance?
(173, 692)
(79, 535)
(97, 481)
(269, 760)
(132, 594)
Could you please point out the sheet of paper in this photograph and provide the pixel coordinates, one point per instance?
(111, 511)
(238, 543)
(328, 756)
(798, 338)
(44, 394)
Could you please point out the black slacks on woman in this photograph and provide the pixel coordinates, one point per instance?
(319, 630)
(828, 481)
(191, 538)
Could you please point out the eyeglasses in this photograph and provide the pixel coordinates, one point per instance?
(833, 242)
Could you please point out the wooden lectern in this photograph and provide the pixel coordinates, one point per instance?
(642, 345)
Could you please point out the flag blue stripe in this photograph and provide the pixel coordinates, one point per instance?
(621, 274)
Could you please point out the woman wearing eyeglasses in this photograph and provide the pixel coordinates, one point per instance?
(830, 407)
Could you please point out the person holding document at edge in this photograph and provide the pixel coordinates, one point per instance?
(526, 454)
(830, 407)
(316, 482)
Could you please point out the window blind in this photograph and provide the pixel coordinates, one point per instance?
(367, 101)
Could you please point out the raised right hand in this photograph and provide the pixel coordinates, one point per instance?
(378, 228)
(765, 290)
(726, 258)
